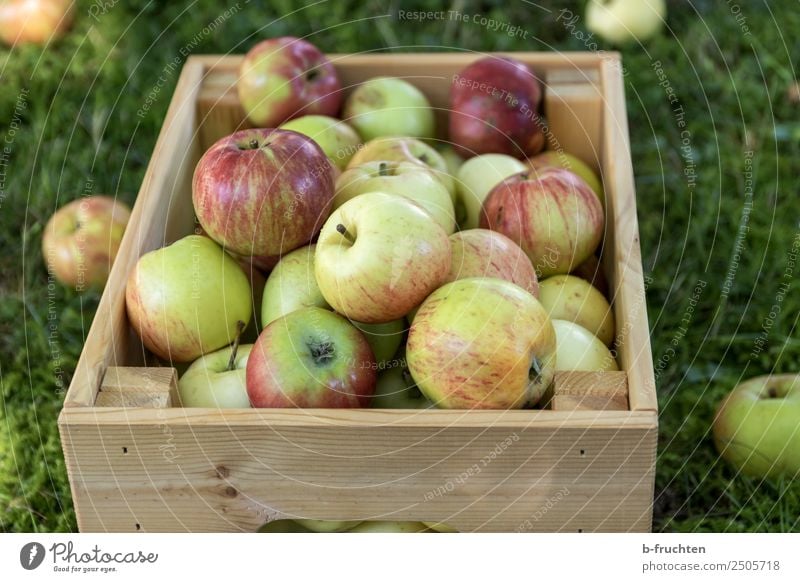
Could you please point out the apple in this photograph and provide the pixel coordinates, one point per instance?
(387, 106)
(405, 149)
(81, 240)
(283, 526)
(476, 178)
(311, 358)
(573, 299)
(383, 338)
(408, 179)
(263, 192)
(378, 256)
(396, 389)
(187, 299)
(579, 350)
(624, 21)
(560, 159)
(553, 215)
(592, 271)
(326, 525)
(390, 527)
(440, 527)
(217, 380)
(482, 343)
(34, 21)
(291, 286)
(338, 140)
(757, 426)
(484, 253)
(494, 108)
(453, 161)
(286, 77)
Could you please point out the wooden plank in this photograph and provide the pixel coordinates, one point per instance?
(590, 391)
(622, 255)
(138, 387)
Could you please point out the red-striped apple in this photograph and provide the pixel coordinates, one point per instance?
(387, 106)
(482, 343)
(552, 214)
(560, 159)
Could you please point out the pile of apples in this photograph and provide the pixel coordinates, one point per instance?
(401, 271)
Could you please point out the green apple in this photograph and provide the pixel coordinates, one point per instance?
(574, 299)
(387, 106)
(378, 256)
(337, 139)
(476, 178)
(283, 526)
(625, 21)
(757, 426)
(396, 389)
(391, 527)
(326, 525)
(579, 350)
(409, 179)
(558, 159)
(217, 380)
(383, 338)
(451, 157)
(187, 299)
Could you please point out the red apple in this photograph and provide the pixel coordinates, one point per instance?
(34, 21)
(287, 77)
(494, 108)
(484, 253)
(311, 358)
(81, 240)
(553, 215)
(263, 192)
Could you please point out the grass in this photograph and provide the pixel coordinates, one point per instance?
(69, 113)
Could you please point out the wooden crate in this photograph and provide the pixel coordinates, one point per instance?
(587, 464)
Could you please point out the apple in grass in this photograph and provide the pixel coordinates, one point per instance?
(286, 77)
(756, 427)
(625, 21)
(552, 214)
(388, 106)
(574, 299)
(408, 179)
(482, 343)
(35, 21)
(579, 350)
(81, 240)
(337, 139)
(311, 358)
(263, 192)
(559, 159)
(494, 104)
(476, 178)
(187, 299)
(378, 256)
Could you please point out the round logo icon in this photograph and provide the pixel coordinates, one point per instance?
(31, 555)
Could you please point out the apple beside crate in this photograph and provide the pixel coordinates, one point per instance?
(585, 463)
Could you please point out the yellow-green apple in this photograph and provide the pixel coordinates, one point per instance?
(81, 240)
(574, 299)
(482, 343)
(476, 178)
(579, 350)
(552, 214)
(217, 380)
(409, 179)
(378, 256)
(561, 159)
(383, 338)
(263, 192)
(452, 160)
(624, 21)
(337, 139)
(405, 149)
(396, 389)
(485, 253)
(187, 299)
(591, 270)
(387, 106)
(757, 426)
(326, 525)
(34, 21)
(390, 527)
(286, 77)
(311, 358)
(494, 108)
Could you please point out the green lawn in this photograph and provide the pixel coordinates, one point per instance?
(716, 222)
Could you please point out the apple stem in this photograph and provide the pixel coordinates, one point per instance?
(253, 144)
(232, 360)
(383, 169)
(342, 230)
(535, 370)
